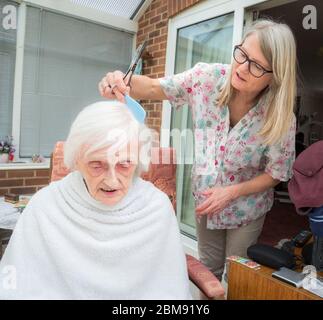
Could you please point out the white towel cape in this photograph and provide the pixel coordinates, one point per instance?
(67, 245)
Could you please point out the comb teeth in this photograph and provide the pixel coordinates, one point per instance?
(137, 110)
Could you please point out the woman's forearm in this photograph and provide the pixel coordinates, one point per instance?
(143, 87)
(255, 185)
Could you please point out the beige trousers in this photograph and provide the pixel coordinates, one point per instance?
(215, 245)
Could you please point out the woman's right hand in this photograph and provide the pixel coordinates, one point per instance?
(113, 86)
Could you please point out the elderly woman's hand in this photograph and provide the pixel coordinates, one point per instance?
(113, 86)
(217, 199)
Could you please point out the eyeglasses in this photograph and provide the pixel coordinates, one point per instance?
(254, 68)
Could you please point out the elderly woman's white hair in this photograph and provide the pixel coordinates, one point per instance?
(106, 124)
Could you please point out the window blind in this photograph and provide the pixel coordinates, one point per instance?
(64, 60)
(7, 71)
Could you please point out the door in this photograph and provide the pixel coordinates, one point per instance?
(207, 41)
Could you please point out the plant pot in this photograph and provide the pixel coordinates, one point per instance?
(4, 157)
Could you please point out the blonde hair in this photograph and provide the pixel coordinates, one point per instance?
(277, 43)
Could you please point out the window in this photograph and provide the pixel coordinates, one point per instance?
(60, 64)
(7, 71)
(64, 60)
(207, 41)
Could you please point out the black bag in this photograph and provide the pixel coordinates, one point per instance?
(271, 257)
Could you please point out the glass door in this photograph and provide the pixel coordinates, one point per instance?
(207, 41)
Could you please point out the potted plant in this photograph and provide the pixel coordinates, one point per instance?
(6, 150)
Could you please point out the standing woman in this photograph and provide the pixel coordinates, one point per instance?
(244, 128)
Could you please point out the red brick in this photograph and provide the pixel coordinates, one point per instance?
(28, 190)
(155, 114)
(153, 48)
(160, 39)
(150, 14)
(155, 33)
(164, 30)
(151, 62)
(3, 192)
(11, 182)
(141, 38)
(176, 6)
(3, 174)
(149, 107)
(159, 54)
(171, 6)
(147, 30)
(147, 70)
(155, 5)
(20, 173)
(155, 19)
(143, 23)
(36, 181)
(149, 121)
(161, 24)
(161, 61)
(158, 69)
(162, 9)
(157, 123)
(163, 45)
(43, 172)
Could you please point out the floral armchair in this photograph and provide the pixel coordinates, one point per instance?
(162, 173)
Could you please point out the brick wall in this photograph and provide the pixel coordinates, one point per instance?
(23, 181)
(154, 25)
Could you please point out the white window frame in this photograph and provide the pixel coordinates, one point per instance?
(69, 9)
(200, 12)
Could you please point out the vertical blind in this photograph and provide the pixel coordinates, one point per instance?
(7, 71)
(64, 60)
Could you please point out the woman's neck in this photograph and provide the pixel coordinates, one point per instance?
(245, 100)
(239, 105)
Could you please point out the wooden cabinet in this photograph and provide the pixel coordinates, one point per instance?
(248, 284)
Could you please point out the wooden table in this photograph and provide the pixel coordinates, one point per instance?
(245, 283)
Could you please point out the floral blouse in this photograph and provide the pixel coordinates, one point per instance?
(225, 157)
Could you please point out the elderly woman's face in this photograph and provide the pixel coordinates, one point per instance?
(109, 176)
(244, 81)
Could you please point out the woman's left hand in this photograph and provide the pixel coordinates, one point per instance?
(218, 198)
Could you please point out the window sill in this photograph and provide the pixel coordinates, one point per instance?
(24, 165)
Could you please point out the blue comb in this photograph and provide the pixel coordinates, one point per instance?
(137, 110)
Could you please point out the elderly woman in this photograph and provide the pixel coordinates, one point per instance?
(244, 134)
(101, 232)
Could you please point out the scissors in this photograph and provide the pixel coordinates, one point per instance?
(134, 62)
